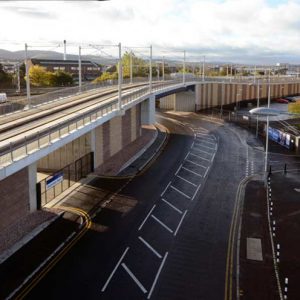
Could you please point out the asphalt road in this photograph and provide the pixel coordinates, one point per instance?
(165, 235)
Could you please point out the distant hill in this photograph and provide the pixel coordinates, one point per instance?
(20, 55)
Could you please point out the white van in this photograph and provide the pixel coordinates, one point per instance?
(3, 97)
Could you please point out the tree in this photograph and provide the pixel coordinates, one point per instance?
(39, 76)
(106, 76)
(60, 78)
(5, 79)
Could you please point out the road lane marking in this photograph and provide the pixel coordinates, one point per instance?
(198, 156)
(210, 143)
(209, 137)
(187, 155)
(213, 156)
(192, 172)
(157, 275)
(206, 172)
(162, 224)
(192, 144)
(141, 226)
(178, 169)
(200, 145)
(180, 192)
(150, 247)
(171, 205)
(197, 149)
(196, 192)
(180, 222)
(192, 162)
(186, 180)
(165, 189)
(114, 270)
(134, 278)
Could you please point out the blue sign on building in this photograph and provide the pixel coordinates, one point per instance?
(54, 180)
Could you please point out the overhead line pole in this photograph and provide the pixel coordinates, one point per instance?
(150, 70)
(27, 77)
(79, 69)
(120, 78)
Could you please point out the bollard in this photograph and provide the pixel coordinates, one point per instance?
(284, 168)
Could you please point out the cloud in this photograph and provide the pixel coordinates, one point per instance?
(228, 29)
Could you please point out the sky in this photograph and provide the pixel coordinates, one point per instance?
(246, 31)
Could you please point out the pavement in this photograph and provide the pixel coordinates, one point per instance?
(45, 232)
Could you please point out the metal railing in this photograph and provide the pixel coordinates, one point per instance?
(14, 151)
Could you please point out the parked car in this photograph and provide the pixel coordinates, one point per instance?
(3, 97)
(281, 100)
(290, 99)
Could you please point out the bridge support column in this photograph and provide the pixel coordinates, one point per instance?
(148, 111)
(32, 179)
(97, 145)
(198, 89)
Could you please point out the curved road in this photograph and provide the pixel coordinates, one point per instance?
(165, 235)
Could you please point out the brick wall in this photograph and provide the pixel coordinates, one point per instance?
(14, 202)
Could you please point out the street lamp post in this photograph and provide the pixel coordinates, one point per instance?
(267, 133)
(258, 88)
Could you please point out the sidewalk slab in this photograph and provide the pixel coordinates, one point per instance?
(257, 276)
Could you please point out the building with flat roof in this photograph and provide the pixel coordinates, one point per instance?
(90, 70)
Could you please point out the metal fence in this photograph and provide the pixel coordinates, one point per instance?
(69, 175)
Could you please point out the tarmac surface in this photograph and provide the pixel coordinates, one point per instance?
(165, 233)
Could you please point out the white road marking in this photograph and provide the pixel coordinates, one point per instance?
(192, 171)
(165, 189)
(180, 192)
(213, 157)
(206, 172)
(210, 143)
(197, 149)
(186, 180)
(187, 155)
(134, 278)
(157, 275)
(141, 226)
(171, 205)
(196, 192)
(162, 224)
(180, 222)
(200, 145)
(192, 162)
(192, 144)
(178, 169)
(209, 137)
(198, 156)
(150, 247)
(114, 270)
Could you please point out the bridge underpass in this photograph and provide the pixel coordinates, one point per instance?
(18, 172)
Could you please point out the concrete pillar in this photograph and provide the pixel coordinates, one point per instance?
(93, 145)
(198, 88)
(32, 179)
(148, 111)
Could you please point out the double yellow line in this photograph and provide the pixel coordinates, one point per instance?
(231, 242)
(41, 274)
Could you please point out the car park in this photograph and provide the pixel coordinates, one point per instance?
(281, 100)
(290, 99)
